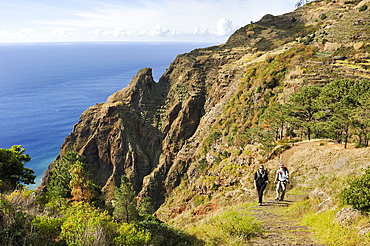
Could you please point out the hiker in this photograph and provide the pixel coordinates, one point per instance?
(260, 182)
(281, 179)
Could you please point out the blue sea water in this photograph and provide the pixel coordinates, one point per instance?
(45, 87)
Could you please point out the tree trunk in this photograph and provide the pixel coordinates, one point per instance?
(339, 137)
(282, 131)
(359, 139)
(308, 134)
(126, 208)
(346, 139)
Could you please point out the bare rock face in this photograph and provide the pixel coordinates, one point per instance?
(109, 135)
(140, 130)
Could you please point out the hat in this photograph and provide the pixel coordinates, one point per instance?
(281, 165)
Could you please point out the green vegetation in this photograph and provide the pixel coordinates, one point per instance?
(13, 174)
(59, 186)
(358, 193)
(72, 219)
(326, 229)
(131, 235)
(229, 227)
(70, 181)
(363, 8)
(350, 190)
(26, 221)
(85, 225)
(146, 206)
(331, 111)
(323, 17)
(252, 114)
(125, 202)
(333, 233)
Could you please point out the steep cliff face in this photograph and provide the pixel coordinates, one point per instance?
(157, 133)
(140, 129)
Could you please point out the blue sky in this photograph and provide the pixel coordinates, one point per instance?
(126, 20)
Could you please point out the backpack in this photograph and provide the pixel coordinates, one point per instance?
(261, 176)
(286, 173)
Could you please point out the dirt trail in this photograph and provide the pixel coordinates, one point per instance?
(279, 230)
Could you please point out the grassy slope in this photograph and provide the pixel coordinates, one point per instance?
(312, 164)
(274, 69)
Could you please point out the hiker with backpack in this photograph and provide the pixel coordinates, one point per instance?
(260, 182)
(281, 179)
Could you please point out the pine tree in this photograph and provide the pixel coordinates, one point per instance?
(276, 118)
(125, 201)
(146, 206)
(304, 107)
(81, 185)
(340, 100)
(59, 186)
(12, 170)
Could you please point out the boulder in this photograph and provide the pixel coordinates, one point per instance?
(325, 205)
(347, 215)
(332, 46)
(363, 231)
(318, 193)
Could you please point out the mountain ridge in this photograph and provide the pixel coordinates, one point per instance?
(160, 134)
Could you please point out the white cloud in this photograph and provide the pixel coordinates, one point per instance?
(65, 32)
(225, 27)
(25, 33)
(4, 33)
(198, 32)
(133, 20)
(116, 32)
(158, 31)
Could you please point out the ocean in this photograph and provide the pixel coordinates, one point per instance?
(45, 87)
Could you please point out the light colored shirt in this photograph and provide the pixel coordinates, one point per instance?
(283, 175)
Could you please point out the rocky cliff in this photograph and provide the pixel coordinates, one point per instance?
(161, 133)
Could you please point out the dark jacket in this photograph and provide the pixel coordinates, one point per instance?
(261, 178)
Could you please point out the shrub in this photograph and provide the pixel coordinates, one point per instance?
(239, 152)
(163, 234)
(202, 165)
(227, 227)
(16, 214)
(286, 146)
(48, 229)
(323, 17)
(85, 225)
(146, 206)
(129, 234)
(358, 193)
(363, 8)
(14, 225)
